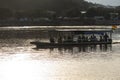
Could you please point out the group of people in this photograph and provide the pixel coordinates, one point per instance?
(93, 38)
(52, 40)
(59, 40)
(82, 38)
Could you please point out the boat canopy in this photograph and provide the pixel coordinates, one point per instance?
(87, 31)
(92, 32)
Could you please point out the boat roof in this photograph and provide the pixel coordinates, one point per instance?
(60, 28)
(84, 30)
(73, 27)
(89, 31)
(80, 28)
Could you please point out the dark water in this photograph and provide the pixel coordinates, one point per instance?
(19, 60)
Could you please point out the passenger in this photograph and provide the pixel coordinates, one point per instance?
(52, 40)
(91, 38)
(60, 39)
(70, 39)
(79, 39)
(101, 39)
(106, 37)
(83, 38)
(95, 38)
(86, 38)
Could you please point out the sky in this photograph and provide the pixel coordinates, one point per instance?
(106, 2)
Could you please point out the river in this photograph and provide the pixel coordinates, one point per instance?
(19, 60)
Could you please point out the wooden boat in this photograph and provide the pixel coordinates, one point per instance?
(57, 45)
(74, 33)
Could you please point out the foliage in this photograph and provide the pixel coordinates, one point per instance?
(4, 13)
(56, 8)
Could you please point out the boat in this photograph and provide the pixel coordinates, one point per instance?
(58, 45)
(79, 37)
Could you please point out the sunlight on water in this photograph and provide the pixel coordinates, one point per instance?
(25, 70)
(19, 60)
(43, 65)
(21, 67)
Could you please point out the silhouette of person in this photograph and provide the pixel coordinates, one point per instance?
(52, 40)
(105, 37)
(60, 39)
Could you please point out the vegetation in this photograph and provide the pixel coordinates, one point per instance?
(69, 11)
(56, 9)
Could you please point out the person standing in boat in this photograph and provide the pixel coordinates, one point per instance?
(106, 37)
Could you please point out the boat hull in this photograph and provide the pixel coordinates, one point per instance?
(57, 45)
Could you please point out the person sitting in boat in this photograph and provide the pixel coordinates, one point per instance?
(60, 39)
(79, 39)
(83, 38)
(91, 39)
(86, 39)
(101, 38)
(52, 40)
(70, 39)
(94, 38)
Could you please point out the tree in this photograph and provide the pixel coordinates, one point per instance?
(5, 13)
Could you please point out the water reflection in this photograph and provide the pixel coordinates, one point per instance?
(82, 48)
(18, 61)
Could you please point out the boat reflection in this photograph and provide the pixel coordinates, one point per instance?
(79, 49)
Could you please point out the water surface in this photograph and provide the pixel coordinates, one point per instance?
(19, 60)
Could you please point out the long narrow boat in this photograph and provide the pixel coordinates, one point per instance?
(77, 33)
(57, 45)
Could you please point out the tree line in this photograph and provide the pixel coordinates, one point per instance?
(62, 8)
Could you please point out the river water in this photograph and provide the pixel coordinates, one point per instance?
(19, 60)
